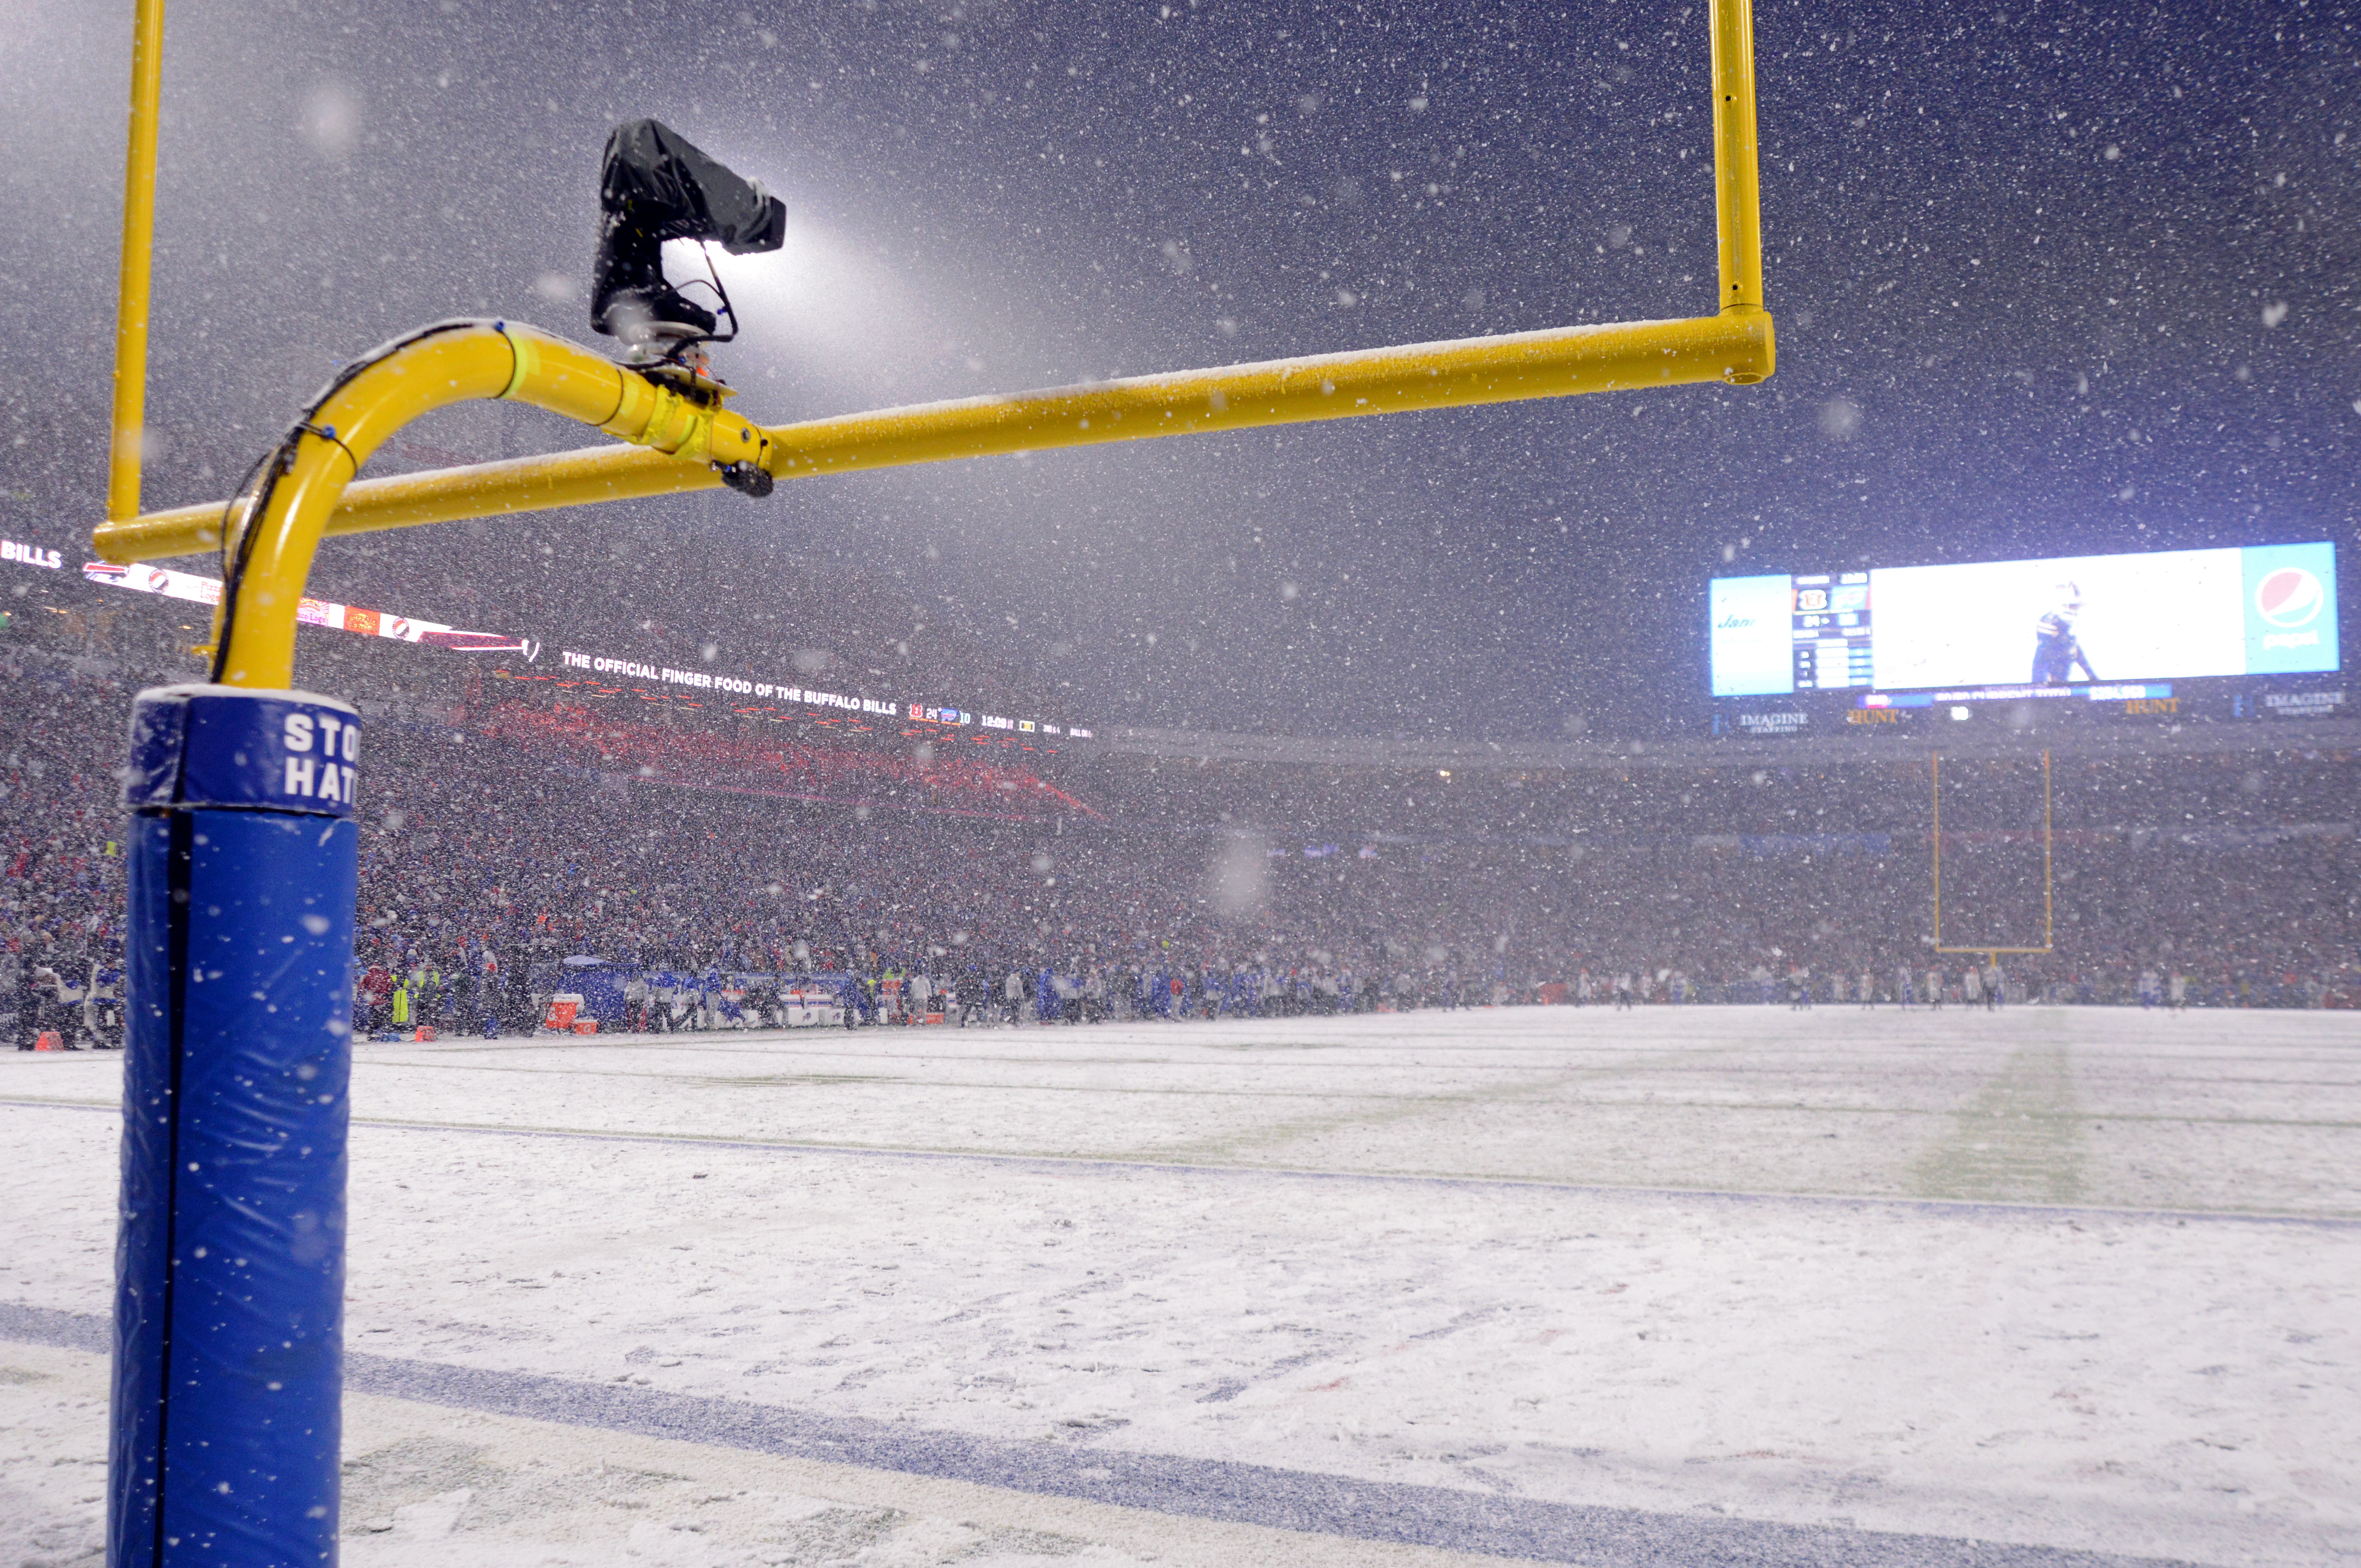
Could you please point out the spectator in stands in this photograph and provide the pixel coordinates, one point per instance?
(533, 852)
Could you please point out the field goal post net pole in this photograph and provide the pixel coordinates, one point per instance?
(1992, 951)
(228, 1336)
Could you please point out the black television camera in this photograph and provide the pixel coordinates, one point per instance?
(654, 184)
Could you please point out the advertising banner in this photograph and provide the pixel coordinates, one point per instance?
(195, 589)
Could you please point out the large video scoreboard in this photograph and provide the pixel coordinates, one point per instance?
(2096, 629)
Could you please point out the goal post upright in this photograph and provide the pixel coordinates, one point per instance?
(228, 1337)
(127, 437)
(1737, 161)
(2048, 885)
(1935, 838)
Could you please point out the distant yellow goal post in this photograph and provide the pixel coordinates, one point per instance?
(1991, 951)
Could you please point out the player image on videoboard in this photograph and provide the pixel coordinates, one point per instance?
(2125, 618)
(2056, 650)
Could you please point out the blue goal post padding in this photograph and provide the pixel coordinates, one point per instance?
(230, 1253)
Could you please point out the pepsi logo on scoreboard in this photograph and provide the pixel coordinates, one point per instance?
(2289, 597)
(2291, 609)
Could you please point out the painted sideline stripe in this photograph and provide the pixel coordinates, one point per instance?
(1046, 1163)
(1227, 1490)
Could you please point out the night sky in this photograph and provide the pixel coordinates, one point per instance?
(2049, 279)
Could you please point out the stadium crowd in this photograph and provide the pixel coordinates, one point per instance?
(496, 845)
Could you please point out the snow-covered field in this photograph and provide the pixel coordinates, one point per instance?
(2075, 1278)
